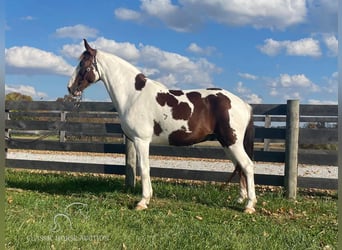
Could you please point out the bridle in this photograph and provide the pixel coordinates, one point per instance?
(88, 69)
(94, 63)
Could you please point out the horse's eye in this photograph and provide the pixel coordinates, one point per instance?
(88, 69)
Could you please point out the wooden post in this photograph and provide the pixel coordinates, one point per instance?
(62, 132)
(267, 125)
(131, 160)
(291, 148)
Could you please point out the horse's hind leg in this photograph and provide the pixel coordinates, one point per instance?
(241, 158)
(242, 181)
(243, 184)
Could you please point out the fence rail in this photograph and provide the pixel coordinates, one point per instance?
(94, 127)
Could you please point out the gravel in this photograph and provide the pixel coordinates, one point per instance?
(172, 162)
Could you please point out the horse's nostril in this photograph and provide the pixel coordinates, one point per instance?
(69, 89)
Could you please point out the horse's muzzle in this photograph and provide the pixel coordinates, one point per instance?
(75, 92)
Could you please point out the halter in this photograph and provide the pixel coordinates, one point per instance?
(94, 63)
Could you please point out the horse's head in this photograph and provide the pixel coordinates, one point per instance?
(85, 73)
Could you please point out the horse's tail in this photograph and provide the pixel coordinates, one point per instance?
(248, 140)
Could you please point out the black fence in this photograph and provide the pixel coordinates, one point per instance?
(94, 127)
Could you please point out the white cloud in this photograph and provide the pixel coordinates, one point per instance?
(253, 98)
(297, 81)
(247, 94)
(292, 95)
(78, 31)
(299, 86)
(72, 50)
(28, 18)
(274, 92)
(271, 47)
(172, 69)
(330, 83)
(292, 86)
(301, 80)
(248, 76)
(302, 47)
(189, 14)
(277, 14)
(29, 60)
(321, 102)
(241, 89)
(184, 72)
(127, 14)
(173, 16)
(125, 50)
(194, 48)
(332, 44)
(25, 90)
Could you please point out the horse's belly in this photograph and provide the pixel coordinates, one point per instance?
(179, 135)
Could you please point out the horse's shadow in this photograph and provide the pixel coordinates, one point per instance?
(80, 185)
(67, 184)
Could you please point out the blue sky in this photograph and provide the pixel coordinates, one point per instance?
(265, 51)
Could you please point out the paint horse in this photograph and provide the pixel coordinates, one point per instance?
(151, 113)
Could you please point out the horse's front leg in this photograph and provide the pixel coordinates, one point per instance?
(142, 150)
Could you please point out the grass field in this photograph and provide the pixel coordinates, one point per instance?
(73, 211)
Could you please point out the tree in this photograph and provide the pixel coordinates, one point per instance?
(66, 98)
(15, 96)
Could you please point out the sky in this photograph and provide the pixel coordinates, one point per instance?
(265, 51)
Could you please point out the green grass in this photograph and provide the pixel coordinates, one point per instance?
(182, 215)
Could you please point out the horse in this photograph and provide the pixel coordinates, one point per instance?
(149, 112)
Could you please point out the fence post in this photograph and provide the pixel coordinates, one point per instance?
(131, 159)
(291, 148)
(267, 125)
(62, 132)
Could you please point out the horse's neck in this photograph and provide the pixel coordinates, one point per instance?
(118, 77)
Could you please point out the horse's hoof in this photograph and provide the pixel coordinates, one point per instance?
(140, 207)
(249, 210)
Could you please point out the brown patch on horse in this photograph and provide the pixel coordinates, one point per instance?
(218, 89)
(210, 116)
(86, 74)
(221, 105)
(176, 92)
(157, 128)
(179, 110)
(140, 81)
(166, 98)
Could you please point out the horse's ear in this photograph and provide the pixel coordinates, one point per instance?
(88, 48)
